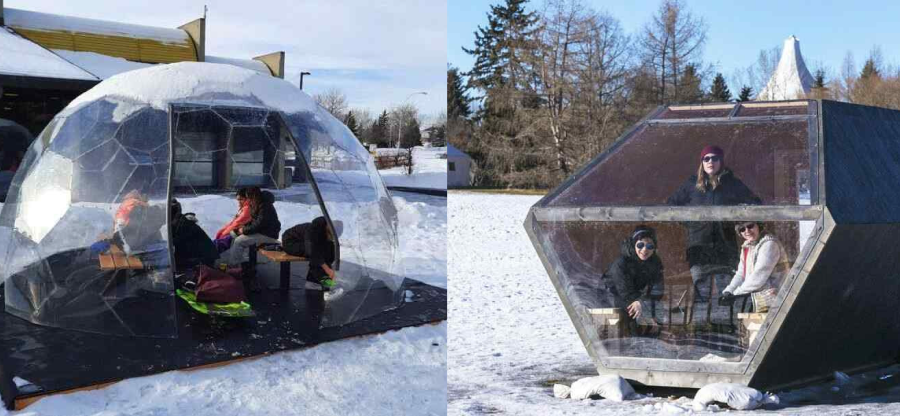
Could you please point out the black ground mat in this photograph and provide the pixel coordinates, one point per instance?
(426, 191)
(56, 359)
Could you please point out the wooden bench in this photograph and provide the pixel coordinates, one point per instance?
(284, 261)
(116, 260)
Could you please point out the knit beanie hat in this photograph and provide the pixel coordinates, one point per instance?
(643, 231)
(716, 150)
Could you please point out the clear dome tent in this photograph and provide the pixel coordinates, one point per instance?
(195, 132)
(824, 180)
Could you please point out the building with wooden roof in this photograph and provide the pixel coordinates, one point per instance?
(50, 59)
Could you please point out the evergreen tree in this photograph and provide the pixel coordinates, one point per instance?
(500, 48)
(820, 79)
(457, 100)
(719, 91)
(745, 94)
(379, 132)
(690, 81)
(350, 121)
(411, 135)
(870, 70)
(439, 135)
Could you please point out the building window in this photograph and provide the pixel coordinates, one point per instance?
(451, 166)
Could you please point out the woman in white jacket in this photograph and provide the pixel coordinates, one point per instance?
(763, 264)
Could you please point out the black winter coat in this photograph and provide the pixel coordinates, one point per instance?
(713, 243)
(265, 220)
(309, 240)
(192, 245)
(629, 277)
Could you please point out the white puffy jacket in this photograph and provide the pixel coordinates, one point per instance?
(763, 267)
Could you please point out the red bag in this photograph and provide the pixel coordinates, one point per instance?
(218, 287)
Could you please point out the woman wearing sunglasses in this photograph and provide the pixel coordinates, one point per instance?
(763, 263)
(636, 272)
(712, 250)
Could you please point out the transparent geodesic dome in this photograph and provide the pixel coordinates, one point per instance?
(113, 160)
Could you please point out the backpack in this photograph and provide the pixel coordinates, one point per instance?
(191, 244)
(216, 286)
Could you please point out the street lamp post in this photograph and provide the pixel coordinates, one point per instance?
(301, 78)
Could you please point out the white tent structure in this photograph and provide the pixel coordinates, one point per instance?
(791, 80)
(459, 168)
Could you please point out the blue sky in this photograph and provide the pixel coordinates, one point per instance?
(737, 31)
(376, 51)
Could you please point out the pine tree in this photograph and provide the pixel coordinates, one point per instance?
(745, 94)
(689, 83)
(457, 100)
(350, 121)
(870, 70)
(411, 135)
(820, 79)
(379, 132)
(499, 70)
(719, 91)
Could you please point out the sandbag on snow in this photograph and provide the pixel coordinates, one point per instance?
(561, 391)
(609, 386)
(736, 396)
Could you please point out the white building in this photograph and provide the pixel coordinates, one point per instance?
(791, 80)
(459, 168)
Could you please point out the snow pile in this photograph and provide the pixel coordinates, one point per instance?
(736, 396)
(608, 386)
(429, 170)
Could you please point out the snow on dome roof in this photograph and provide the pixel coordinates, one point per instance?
(201, 82)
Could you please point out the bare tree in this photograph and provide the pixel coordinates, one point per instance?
(582, 62)
(333, 100)
(671, 40)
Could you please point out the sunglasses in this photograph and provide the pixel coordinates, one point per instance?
(746, 227)
(712, 158)
(640, 246)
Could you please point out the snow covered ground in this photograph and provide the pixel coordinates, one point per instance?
(399, 372)
(511, 340)
(429, 170)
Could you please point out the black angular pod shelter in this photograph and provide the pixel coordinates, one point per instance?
(111, 163)
(828, 175)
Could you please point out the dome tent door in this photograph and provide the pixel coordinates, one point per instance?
(219, 149)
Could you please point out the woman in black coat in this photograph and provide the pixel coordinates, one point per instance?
(636, 272)
(315, 241)
(712, 246)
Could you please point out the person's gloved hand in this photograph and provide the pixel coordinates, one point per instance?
(727, 299)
